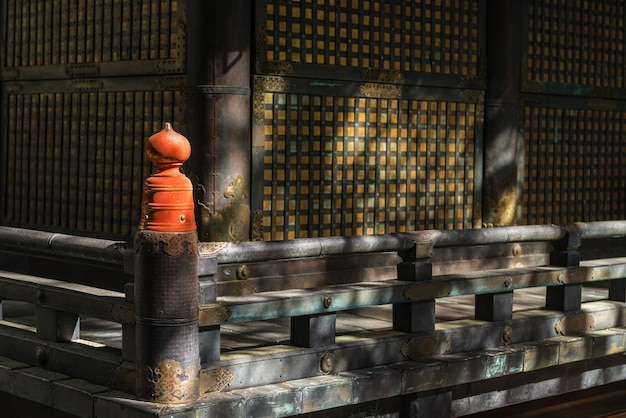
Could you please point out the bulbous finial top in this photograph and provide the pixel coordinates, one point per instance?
(168, 147)
(167, 203)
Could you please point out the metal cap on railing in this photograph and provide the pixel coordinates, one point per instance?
(167, 202)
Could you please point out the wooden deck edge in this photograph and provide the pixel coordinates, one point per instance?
(476, 380)
(355, 351)
(553, 381)
(461, 373)
(365, 349)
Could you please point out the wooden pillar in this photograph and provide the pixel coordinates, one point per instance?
(218, 116)
(53, 325)
(166, 278)
(502, 141)
(416, 266)
(313, 330)
(617, 290)
(567, 297)
(495, 307)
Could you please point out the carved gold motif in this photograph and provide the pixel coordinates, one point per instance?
(275, 84)
(259, 103)
(264, 65)
(232, 222)
(213, 315)
(426, 346)
(275, 67)
(172, 244)
(215, 379)
(574, 324)
(507, 334)
(208, 248)
(376, 90)
(261, 85)
(170, 383)
(257, 226)
(244, 288)
(382, 76)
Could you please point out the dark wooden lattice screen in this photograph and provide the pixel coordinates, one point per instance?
(573, 111)
(574, 163)
(345, 141)
(83, 84)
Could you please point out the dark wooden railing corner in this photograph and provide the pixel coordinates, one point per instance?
(176, 302)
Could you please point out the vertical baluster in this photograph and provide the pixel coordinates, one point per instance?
(54, 325)
(416, 266)
(567, 297)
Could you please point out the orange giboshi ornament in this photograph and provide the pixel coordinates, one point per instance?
(167, 201)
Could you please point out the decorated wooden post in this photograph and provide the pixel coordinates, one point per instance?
(166, 278)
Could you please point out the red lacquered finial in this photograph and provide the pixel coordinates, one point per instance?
(167, 202)
(168, 147)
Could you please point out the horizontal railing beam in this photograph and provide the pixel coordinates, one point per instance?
(67, 297)
(295, 302)
(51, 244)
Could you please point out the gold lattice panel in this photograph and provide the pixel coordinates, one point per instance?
(336, 165)
(577, 42)
(574, 168)
(75, 160)
(423, 36)
(77, 31)
(84, 83)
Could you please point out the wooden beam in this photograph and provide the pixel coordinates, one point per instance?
(295, 302)
(68, 297)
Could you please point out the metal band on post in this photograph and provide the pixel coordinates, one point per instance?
(166, 278)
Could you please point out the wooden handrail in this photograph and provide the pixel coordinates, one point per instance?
(50, 244)
(325, 246)
(485, 262)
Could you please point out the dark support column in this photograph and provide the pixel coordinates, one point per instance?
(502, 140)
(53, 325)
(313, 330)
(218, 116)
(415, 316)
(617, 290)
(567, 297)
(494, 307)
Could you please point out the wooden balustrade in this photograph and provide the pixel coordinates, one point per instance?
(312, 284)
